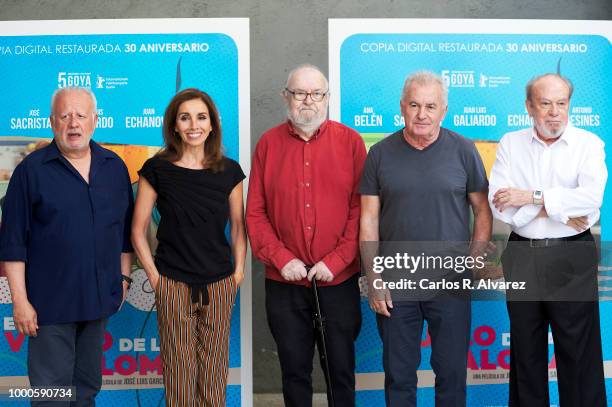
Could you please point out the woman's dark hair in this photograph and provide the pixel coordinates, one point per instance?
(173, 144)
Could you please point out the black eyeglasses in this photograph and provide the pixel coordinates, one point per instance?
(300, 95)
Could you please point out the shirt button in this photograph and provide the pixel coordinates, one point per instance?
(308, 205)
(307, 163)
(309, 227)
(308, 184)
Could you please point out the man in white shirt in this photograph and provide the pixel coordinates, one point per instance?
(547, 183)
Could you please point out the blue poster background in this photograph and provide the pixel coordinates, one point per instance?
(486, 74)
(134, 76)
(148, 64)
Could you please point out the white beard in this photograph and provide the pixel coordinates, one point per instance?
(307, 125)
(544, 132)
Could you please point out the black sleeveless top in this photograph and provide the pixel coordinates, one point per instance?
(194, 209)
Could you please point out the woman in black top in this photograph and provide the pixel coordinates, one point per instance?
(197, 190)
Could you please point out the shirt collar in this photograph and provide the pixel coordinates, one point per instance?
(97, 152)
(319, 132)
(568, 135)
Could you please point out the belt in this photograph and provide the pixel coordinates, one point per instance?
(550, 242)
(197, 290)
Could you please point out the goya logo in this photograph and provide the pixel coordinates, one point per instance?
(458, 79)
(71, 79)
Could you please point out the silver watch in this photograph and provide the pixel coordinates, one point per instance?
(538, 197)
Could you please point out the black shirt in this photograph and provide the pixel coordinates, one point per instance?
(70, 233)
(194, 209)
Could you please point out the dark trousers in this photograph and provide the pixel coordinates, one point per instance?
(575, 329)
(448, 322)
(68, 355)
(567, 274)
(289, 310)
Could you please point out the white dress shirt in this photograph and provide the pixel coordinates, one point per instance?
(571, 172)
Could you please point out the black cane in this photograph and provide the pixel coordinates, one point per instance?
(319, 324)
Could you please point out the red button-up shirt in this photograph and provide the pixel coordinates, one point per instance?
(303, 199)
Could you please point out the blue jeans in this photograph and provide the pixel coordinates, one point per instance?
(449, 328)
(68, 355)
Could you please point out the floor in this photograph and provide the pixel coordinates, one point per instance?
(276, 400)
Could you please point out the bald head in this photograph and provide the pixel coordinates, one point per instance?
(59, 93)
(308, 70)
(547, 78)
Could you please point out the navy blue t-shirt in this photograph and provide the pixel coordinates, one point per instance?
(423, 193)
(69, 233)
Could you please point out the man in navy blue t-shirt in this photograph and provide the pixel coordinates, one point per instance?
(417, 188)
(65, 246)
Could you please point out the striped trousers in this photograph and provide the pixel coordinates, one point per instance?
(194, 340)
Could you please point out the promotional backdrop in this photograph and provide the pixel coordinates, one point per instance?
(134, 67)
(486, 64)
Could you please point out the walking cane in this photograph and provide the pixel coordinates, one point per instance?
(319, 324)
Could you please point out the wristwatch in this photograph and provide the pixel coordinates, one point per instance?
(538, 197)
(128, 279)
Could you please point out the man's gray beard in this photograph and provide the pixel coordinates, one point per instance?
(543, 131)
(309, 127)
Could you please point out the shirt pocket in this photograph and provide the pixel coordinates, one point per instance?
(110, 204)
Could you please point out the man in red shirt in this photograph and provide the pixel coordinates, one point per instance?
(303, 210)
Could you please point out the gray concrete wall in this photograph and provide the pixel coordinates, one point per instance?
(285, 34)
